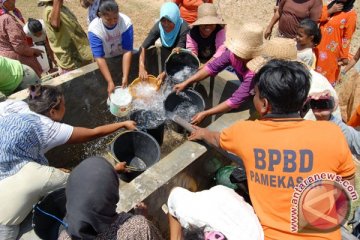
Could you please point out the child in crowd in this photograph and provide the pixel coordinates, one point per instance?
(112, 35)
(207, 35)
(36, 30)
(308, 36)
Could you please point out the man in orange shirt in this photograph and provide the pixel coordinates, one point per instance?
(294, 167)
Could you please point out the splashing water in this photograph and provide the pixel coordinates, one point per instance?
(186, 110)
(121, 96)
(148, 119)
(183, 74)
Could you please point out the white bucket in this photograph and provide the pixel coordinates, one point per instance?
(43, 59)
(120, 102)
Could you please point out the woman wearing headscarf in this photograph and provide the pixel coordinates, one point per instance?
(92, 193)
(171, 29)
(27, 132)
(13, 41)
(337, 25)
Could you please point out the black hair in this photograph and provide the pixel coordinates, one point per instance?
(44, 98)
(285, 84)
(193, 232)
(34, 25)
(108, 6)
(311, 29)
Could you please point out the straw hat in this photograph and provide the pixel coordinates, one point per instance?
(280, 48)
(207, 15)
(245, 40)
(42, 2)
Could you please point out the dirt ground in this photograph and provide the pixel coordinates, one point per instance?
(144, 13)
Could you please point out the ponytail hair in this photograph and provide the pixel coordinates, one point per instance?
(44, 98)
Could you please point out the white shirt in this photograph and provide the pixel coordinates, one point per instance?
(56, 133)
(111, 38)
(219, 209)
(320, 83)
(36, 39)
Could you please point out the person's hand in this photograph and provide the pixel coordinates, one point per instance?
(130, 125)
(124, 83)
(323, 114)
(179, 87)
(198, 117)
(337, 7)
(64, 170)
(343, 62)
(161, 77)
(267, 33)
(143, 74)
(176, 50)
(110, 88)
(37, 52)
(197, 134)
(120, 167)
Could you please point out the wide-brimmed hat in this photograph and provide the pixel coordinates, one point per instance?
(42, 2)
(245, 40)
(279, 48)
(207, 15)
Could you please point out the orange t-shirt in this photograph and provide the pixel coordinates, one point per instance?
(280, 153)
(189, 8)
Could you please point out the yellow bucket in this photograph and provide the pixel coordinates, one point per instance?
(152, 80)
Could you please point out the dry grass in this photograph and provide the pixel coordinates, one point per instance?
(144, 13)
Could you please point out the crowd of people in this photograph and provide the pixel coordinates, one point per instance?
(289, 76)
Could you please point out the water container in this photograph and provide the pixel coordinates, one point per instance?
(177, 62)
(189, 98)
(45, 226)
(138, 144)
(43, 59)
(149, 122)
(120, 109)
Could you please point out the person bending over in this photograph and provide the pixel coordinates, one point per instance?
(27, 132)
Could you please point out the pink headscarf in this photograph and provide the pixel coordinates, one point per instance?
(16, 11)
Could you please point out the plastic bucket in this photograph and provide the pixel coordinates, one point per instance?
(119, 110)
(184, 61)
(185, 104)
(44, 226)
(152, 81)
(149, 122)
(138, 144)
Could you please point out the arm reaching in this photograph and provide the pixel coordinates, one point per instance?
(81, 134)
